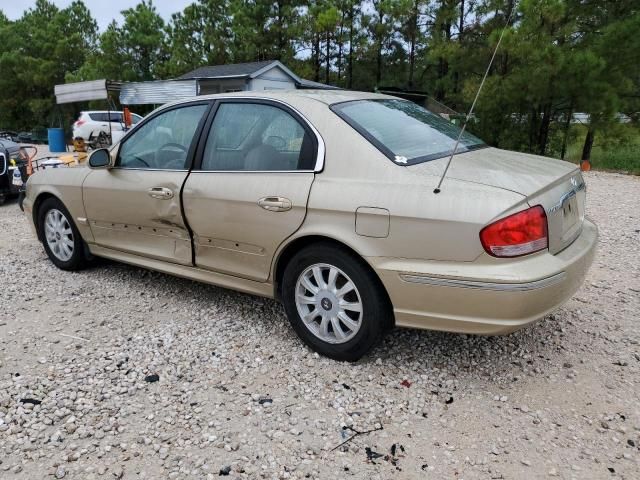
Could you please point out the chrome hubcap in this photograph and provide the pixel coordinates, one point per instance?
(58, 234)
(329, 303)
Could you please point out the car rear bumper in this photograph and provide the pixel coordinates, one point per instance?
(489, 296)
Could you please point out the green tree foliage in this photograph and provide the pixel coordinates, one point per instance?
(143, 38)
(264, 30)
(132, 52)
(199, 35)
(36, 52)
(558, 57)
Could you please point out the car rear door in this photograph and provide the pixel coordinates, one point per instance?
(135, 207)
(249, 189)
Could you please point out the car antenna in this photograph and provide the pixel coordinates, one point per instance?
(473, 105)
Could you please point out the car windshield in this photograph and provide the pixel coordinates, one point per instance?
(404, 131)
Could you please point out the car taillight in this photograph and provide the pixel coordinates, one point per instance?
(78, 123)
(519, 234)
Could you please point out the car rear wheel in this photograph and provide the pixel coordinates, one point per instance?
(60, 237)
(334, 302)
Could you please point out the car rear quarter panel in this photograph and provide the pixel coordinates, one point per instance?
(422, 225)
(64, 184)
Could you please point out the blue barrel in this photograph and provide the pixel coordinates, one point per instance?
(56, 140)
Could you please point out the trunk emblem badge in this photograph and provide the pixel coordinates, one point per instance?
(576, 187)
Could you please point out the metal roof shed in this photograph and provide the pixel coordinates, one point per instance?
(85, 91)
(256, 76)
(157, 92)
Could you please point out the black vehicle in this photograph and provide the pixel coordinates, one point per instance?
(10, 150)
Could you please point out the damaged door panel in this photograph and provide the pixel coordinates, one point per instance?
(134, 206)
(232, 233)
(123, 216)
(249, 187)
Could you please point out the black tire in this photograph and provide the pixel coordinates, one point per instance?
(375, 314)
(78, 259)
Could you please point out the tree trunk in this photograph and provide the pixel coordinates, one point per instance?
(351, 28)
(456, 74)
(567, 125)
(545, 125)
(327, 55)
(340, 41)
(379, 55)
(533, 128)
(511, 6)
(461, 24)
(413, 34)
(543, 136)
(443, 64)
(505, 64)
(443, 70)
(316, 60)
(588, 144)
(281, 41)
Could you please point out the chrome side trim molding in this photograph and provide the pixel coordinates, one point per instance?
(503, 287)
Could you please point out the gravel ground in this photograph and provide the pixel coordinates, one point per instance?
(140, 375)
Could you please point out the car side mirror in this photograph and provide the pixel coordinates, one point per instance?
(100, 158)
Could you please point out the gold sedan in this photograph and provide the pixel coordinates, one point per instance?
(325, 200)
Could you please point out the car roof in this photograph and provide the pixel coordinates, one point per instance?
(328, 97)
(290, 97)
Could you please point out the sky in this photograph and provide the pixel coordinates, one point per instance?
(102, 10)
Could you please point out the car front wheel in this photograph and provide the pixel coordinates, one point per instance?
(60, 237)
(334, 302)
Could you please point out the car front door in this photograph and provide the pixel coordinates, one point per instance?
(135, 207)
(249, 190)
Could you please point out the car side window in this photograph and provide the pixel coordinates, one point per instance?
(256, 137)
(115, 117)
(163, 142)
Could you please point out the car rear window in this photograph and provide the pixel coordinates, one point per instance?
(404, 131)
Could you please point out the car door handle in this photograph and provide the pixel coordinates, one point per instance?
(161, 193)
(275, 204)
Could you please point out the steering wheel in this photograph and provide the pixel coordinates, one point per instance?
(172, 144)
(276, 142)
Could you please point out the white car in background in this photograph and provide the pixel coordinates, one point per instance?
(91, 124)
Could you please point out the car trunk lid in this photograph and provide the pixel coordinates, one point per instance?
(556, 185)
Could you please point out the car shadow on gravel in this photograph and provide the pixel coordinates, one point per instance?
(417, 350)
(475, 355)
